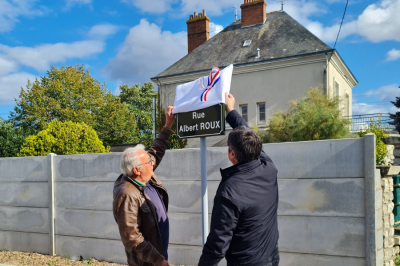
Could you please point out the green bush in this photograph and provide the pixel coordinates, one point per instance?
(265, 138)
(63, 138)
(380, 133)
(11, 139)
(397, 261)
(315, 117)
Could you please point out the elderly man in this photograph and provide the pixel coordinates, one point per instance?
(244, 227)
(141, 202)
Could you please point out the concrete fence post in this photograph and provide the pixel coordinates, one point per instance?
(52, 245)
(370, 194)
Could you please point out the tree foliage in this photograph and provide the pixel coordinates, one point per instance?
(396, 116)
(140, 102)
(174, 142)
(11, 139)
(70, 93)
(375, 126)
(315, 117)
(63, 138)
(265, 138)
(115, 124)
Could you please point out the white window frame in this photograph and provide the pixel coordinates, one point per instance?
(347, 107)
(241, 111)
(259, 121)
(336, 89)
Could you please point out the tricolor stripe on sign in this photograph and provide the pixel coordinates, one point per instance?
(213, 78)
(204, 91)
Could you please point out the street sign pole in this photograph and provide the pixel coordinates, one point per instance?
(204, 191)
(201, 123)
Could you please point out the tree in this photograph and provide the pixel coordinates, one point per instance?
(115, 124)
(11, 139)
(174, 142)
(375, 126)
(72, 94)
(63, 138)
(140, 102)
(396, 116)
(315, 117)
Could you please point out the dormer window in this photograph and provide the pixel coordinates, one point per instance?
(246, 43)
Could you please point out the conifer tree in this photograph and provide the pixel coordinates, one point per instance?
(396, 116)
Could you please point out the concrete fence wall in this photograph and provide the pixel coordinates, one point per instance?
(327, 209)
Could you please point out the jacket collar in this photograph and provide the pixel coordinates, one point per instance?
(130, 180)
(153, 181)
(240, 167)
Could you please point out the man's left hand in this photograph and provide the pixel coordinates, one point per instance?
(169, 117)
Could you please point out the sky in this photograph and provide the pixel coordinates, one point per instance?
(130, 41)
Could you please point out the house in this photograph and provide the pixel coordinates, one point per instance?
(275, 59)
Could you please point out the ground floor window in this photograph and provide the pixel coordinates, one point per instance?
(243, 109)
(261, 112)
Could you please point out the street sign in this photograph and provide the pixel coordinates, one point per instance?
(209, 121)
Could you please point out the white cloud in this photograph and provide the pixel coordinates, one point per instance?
(42, 56)
(103, 30)
(7, 66)
(381, 21)
(154, 6)
(393, 55)
(72, 3)
(377, 101)
(302, 11)
(378, 22)
(10, 11)
(365, 108)
(215, 29)
(212, 7)
(10, 86)
(147, 51)
(384, 93)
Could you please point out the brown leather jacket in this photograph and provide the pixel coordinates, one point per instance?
(135, 213)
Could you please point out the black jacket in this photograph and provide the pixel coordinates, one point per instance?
(244, 226)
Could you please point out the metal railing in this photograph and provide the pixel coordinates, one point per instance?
(361, 122)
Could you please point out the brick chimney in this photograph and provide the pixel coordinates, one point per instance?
(253, 12)
(198, 29)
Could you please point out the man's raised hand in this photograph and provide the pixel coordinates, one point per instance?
(169, 117)
(229, 102)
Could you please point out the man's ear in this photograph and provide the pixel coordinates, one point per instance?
(135, 171)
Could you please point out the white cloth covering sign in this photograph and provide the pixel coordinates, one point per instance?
(203, 92)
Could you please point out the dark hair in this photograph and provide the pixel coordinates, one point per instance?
(245, 143)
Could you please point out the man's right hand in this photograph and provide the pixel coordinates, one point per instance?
(164, 263)
(229, 102)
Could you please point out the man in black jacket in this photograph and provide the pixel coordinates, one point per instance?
(244, 226)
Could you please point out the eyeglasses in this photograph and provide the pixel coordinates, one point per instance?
(149, 162)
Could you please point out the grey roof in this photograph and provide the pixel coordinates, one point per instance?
(280, 36)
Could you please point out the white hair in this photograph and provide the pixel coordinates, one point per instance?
(129, 159)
